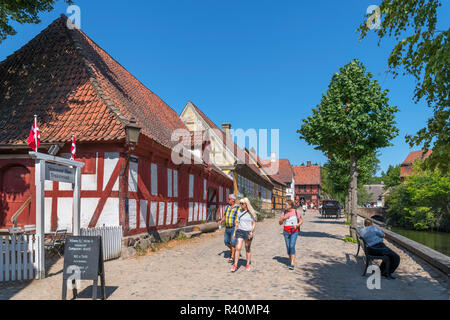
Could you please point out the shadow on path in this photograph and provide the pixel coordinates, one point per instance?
(283, 260)
(329, 222)
(336, 279)
(87, 293)
(318, 234)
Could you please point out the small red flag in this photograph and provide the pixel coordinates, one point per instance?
(73, 150)
(34, 139)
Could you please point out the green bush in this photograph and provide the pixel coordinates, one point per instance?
(422, 203)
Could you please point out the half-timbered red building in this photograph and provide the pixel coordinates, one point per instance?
(308, 183)
(75, 87)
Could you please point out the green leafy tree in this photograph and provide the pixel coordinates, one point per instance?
(392, 176)
(352, 121)
(422, 51)
(22, 11)
(363, 196)
(422, 203)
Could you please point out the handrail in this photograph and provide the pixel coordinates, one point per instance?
(19, 211)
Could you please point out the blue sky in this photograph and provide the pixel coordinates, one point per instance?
(256, 64)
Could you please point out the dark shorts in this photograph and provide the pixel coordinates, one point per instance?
(241, 234)
(228, 237)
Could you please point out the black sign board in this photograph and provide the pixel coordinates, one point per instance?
(83, 260)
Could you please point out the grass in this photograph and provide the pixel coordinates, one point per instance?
(350, 239)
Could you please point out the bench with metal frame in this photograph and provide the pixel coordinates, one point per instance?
(368, 257)
(57, 242)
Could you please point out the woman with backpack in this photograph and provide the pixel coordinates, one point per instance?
(243, 232)
(291, 220)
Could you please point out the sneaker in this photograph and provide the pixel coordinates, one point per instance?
(233, 269)
(291, 267)
(247, 268)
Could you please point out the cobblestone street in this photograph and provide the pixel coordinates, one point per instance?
(197, 269)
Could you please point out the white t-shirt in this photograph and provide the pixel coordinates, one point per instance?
(245, 221)
(292, 220)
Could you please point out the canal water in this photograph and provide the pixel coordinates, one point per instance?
(439, 241)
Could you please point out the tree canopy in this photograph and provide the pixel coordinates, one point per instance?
(353, 118)
(22, 11)
(422, 51)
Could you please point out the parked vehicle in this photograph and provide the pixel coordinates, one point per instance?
(331, 208)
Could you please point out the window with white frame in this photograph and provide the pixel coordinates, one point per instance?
(204, 189)
(175, 183)
(169, 183)
(154, 179)
(191, 186)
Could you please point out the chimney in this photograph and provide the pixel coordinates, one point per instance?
(309, 164)
(226, 127)
(273, 157)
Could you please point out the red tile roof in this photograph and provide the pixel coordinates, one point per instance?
(413, 156)
(285, 171)
(307, 175)
(406, 168)
(74, 86)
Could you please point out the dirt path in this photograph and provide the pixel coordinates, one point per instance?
(326, 269)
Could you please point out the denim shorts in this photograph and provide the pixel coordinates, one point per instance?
(241, 234)
(228, 237)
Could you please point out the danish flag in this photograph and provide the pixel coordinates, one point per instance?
(73, 150)
(34, 139)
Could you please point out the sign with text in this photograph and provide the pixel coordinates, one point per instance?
(54, 172)
(83, 260)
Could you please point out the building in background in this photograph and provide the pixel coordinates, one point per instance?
(279, 187)
(226, 155)
(308, 183)
(286, 176)
(75, 87)
(406, 168)
(377, 195)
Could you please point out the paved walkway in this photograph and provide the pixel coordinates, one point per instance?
(197, 269)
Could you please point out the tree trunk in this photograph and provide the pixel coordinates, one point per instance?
(347, 206)
(353, 197)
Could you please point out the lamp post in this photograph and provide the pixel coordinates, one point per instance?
(133, 132)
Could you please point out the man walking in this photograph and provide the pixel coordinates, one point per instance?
(230, 218)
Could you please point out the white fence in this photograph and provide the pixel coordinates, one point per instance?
(18, 258)
(111, 240)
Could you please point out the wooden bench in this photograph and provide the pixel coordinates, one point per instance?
(368, 257)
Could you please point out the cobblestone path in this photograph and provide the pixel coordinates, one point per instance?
(197, 269)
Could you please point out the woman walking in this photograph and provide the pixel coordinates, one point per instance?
(245, 226)
(291, 219)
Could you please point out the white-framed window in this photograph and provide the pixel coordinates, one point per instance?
(133, 175)
(204, 189)
(154, 179)
(175, 183)
(191, 186)
(169, 183)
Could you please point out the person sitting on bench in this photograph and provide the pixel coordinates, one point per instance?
(375, 246)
